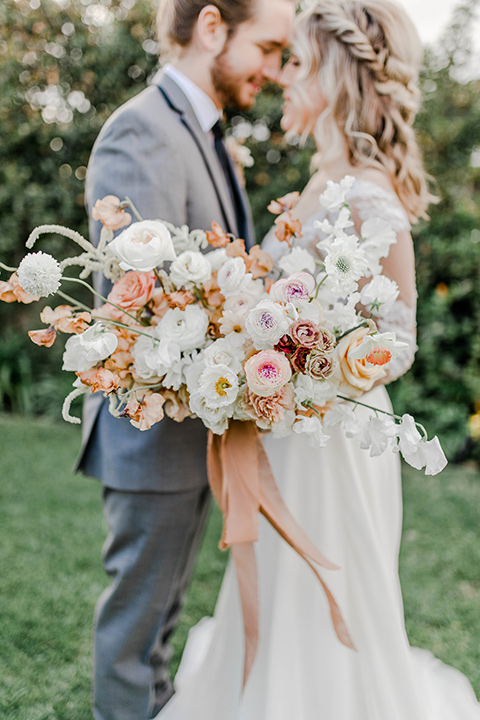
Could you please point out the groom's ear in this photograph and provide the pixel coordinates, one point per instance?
(211, 31)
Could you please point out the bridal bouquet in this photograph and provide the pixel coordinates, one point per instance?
(226, 335)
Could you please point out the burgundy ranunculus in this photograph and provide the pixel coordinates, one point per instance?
(286, 345)
(299, 358)
(305, 332)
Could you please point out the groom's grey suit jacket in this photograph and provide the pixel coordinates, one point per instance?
(153, 150)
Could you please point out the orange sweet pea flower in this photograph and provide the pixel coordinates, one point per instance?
(12, 291)
(110, 213)
(147, 412)
(237, 249)
(259, 262)
(217, 237)
(283, 203)
(43, 337)
(99, 380)
(287, 227)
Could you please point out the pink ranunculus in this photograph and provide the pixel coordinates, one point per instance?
(267, 371)
(133, 290)
(305, 332)
(272, 409)
(295, 289)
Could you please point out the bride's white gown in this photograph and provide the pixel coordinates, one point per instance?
(350, 505)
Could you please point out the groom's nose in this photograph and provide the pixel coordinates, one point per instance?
(271, 68)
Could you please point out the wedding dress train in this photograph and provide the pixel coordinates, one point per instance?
(350, 505)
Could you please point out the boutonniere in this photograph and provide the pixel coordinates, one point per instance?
(241, 156)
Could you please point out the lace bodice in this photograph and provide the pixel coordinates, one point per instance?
(369, 200)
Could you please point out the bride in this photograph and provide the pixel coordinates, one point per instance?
(351, 83)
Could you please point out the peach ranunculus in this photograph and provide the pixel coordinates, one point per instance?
(180, 299)
(64, 319)
(284, 203)
(267, 371)
(259, 262)
(110, 212)
(287, 227)
(133, 290)
(217, 237)
(356, 376)
(99, 379)
(12, 291)
(44, 337)
(272, 409)
(147, 412)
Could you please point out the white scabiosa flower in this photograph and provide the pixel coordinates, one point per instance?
(345, 264)
(379, 295)
(85, 350)
(296, 260)
(232, 277)
(185, 327)
(143, 246)
(190, 269)
(266, 323)
(39, 274)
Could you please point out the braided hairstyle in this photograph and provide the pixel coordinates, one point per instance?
(365, 56)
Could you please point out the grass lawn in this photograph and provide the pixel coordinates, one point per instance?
(51, 534)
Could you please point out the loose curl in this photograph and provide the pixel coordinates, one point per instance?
(365, 57)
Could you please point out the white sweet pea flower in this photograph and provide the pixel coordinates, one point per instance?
(312, 427)
(334, 230)
(342, 314)
(153, 357)
(224, 352)
(318, 392)
(416, 450)
(379, 295)
(341, 414)
(232, 278)
(143, 246)
(266, 323)
(345, 264)
(311, 311)
(39, 274)
(296, 260)
(434, 456)
(374, 434)
(190, 269)
(187, 327)
(377, 237)
(218, 386)
(379, 348)
(334, 196)
(85, 350)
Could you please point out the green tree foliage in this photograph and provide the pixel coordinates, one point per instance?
(67, 64)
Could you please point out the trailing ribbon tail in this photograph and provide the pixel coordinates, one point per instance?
(243, 485)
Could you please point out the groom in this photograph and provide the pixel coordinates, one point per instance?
(164, 150)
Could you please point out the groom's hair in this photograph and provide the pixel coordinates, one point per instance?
(176, 19)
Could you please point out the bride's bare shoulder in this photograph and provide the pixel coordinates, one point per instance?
(375, 176)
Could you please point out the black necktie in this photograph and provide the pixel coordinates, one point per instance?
(232, 182)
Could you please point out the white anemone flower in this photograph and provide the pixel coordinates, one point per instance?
(218, 385)
(39, 274)
(345, 264)
(312, 427)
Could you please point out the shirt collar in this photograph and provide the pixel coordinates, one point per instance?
(203, 106)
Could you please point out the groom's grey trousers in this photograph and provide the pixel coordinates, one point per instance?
(154, 151)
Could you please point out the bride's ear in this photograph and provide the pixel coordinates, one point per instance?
(211, 31)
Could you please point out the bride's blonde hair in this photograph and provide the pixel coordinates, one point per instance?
(366, 58)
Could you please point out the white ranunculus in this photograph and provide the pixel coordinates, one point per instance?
(143, 246)
(232, 278)
(312, 427)
(190, 268)
(377, 236)
(153, 357)
(185, 327)
(218, 385)
(216, 419)
(85, 350)
(224, 352)
(379, 295)
(39, 274)
(216, 258)
(335, 194)
(266, 323)
(296, 260)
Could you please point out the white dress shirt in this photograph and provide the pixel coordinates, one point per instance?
(203, 106)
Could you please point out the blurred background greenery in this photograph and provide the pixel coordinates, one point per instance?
(67, 64)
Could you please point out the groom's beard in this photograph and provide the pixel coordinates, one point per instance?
(229, 85)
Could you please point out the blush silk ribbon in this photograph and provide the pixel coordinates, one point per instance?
(243, 485)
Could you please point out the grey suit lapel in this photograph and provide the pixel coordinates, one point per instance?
(178, 102)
